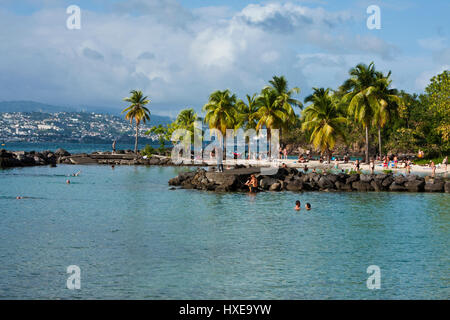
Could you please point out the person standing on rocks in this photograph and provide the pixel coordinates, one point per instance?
(219, 157)
(114, 146)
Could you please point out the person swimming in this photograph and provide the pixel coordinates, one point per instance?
(297, 205)
(308, 206)
(252, 183)
(68, 181)
(19, 197)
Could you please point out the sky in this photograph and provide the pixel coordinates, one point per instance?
(179, 51)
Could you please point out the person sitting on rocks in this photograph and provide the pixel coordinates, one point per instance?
(297, 205)
(252, 183)
(305, 169)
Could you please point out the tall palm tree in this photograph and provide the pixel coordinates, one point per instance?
(221, 111)
(270, 113)
(360, 95)
(388, 106)
(248, 114)
(280, 85)
(186, 119)
(324, 120)
(137, 111)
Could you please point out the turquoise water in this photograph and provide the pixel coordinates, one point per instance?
(134, 238)
(71, 147)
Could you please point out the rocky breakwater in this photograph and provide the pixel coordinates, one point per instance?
(10, 159)
(290, 179)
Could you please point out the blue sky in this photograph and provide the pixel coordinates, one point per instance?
(178, 51)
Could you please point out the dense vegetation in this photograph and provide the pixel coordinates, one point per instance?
(364, 110)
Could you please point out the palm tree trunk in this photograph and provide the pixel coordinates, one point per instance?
(269, 137)
(367, 144)
(136, 141)
(379, 141)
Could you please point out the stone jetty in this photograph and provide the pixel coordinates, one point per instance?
(290, 179)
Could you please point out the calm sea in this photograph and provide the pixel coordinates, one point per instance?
(132, 237)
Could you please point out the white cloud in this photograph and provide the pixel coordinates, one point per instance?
(178, 56)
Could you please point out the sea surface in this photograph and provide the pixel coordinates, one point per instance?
(133, 238)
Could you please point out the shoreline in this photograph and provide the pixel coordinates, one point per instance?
(11, 159)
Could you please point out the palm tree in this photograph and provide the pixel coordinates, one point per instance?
(280, 85)
(324, 120)
(388, 106)
(137, 111)
(248, 114)
(186, 119)
(221, 111)
(270, 113)
(360, 92)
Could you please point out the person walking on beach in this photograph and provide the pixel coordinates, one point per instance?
(372, 166)
(285, 153)
(433, 169)
(114, 146)
(356, 165)
(445, 162)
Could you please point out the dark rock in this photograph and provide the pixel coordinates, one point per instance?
(295, 185)
(352, 178)
(266, 182)
(447, 187)
(435, 186)
(342, 186)
(376, 185)
(415, 185)
(397, 187)
(387, 181)
(325, 183)
(62, 153)
(362, 186)
(366, 177)
(400, 180)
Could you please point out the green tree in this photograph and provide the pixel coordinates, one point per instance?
(360, 94)
(161, 133)
(248, 114)
(221, 112)
(438, 98)
(387, 104)
(323, 119)
(137, 111)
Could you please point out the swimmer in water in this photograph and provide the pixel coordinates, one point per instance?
(308, 206)
(19, 197)
(68, 181)
(297, 205)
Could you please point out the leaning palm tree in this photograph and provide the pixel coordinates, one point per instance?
(388, 105)
(247, 117)
(221, 111)
(137, 111)
(360, 95)
(323, 120)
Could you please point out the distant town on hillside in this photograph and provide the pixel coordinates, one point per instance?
(36, 122)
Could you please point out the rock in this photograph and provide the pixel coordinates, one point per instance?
(62, 153)
(376, 185)
(362, 186)
(266, 182)
(342, 186)
(415, 185)
(435, 186)
(400, 180)
(325, 183)
(154, 161)
(366, 177)
(352, 178)
(295, 185)
(387, 182)
(397, 187)
(447, 187)
(226, 181)
(275, 187)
